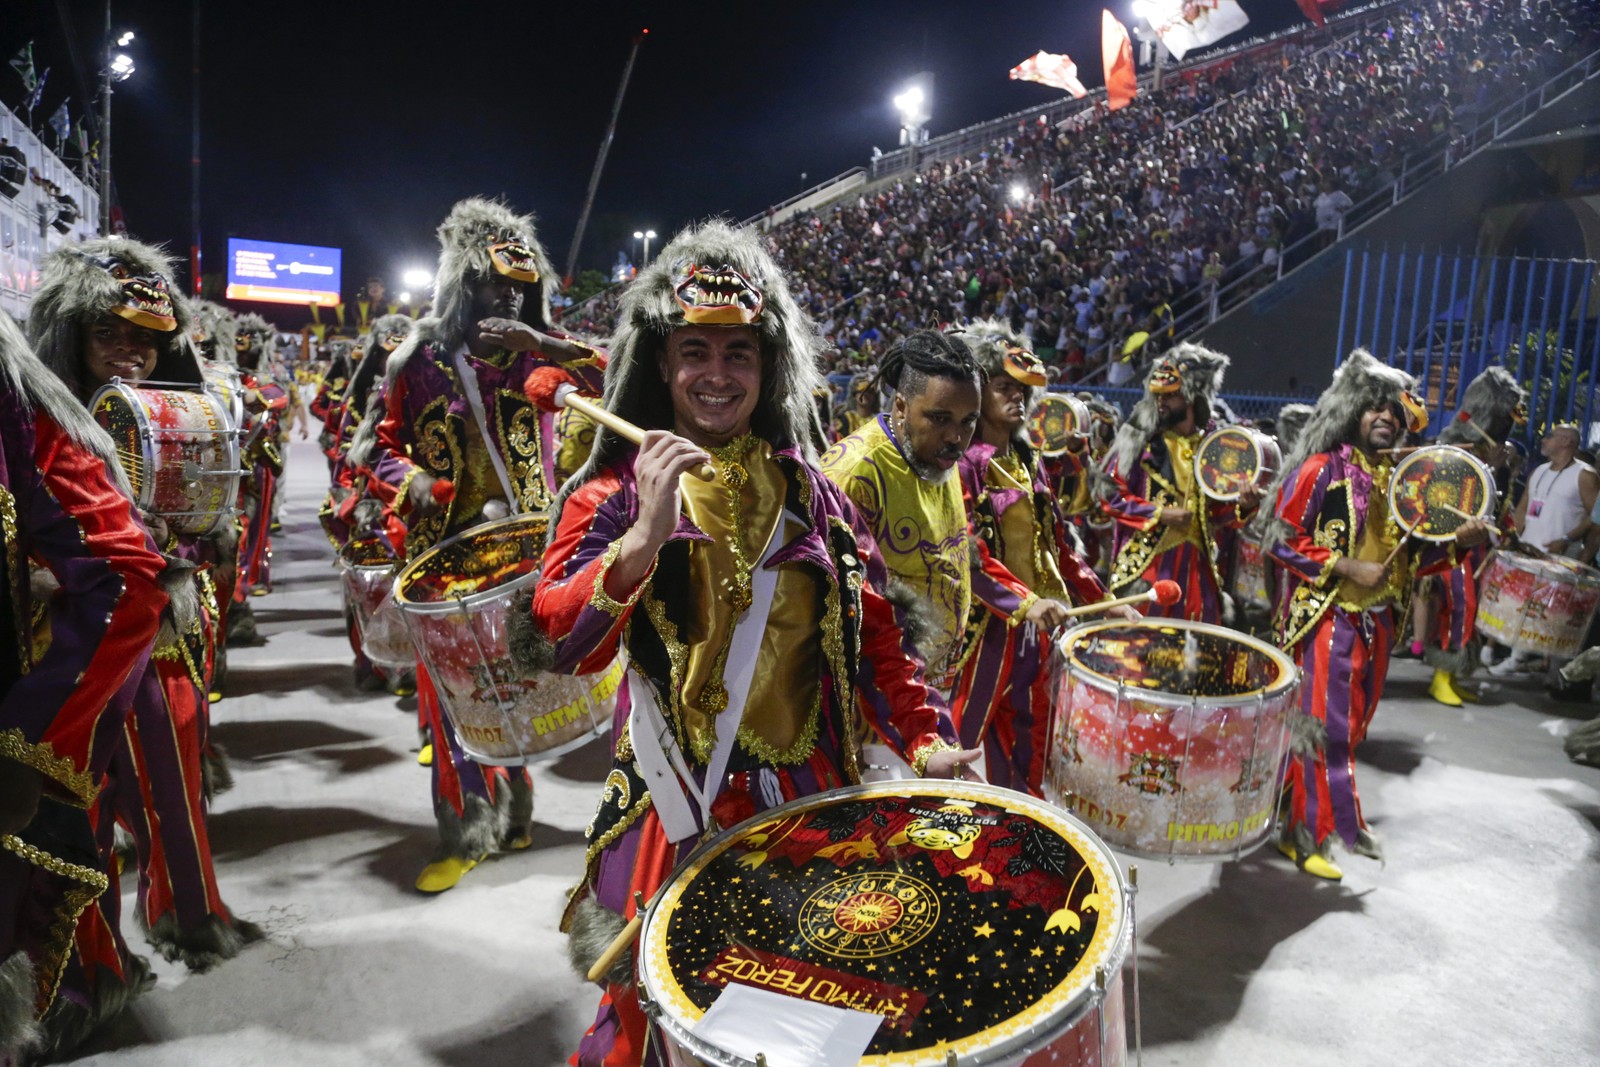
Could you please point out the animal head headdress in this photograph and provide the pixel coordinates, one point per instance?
(480, 239)
(1188, 369)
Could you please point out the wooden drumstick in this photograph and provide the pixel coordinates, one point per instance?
(550, 389)
(1463, 417)
(622, 942)
(1391, 557)
(1164, 592)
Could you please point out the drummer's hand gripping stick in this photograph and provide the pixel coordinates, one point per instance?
(550, 389)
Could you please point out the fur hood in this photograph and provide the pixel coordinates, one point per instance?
(649, 311)
(75, 289)
(464, 239)
(1200, 372)
(1292, 419)
(368, 370)
(31, 379)
(1360, 384)
(989, 339)
(256, 332)
(1491, 402)
(213, 328)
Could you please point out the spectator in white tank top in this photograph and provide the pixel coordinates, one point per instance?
(1554, 511)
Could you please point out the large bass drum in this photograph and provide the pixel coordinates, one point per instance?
(367, 567)
(178, 449)
(984, 927)
(1170, 736)
(457, 597)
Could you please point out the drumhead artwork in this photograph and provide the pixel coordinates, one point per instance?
(1183, 660)
(178, 449)
(1231, 458)
(1055, 421)
(1436, 489)
(483, 560)
(972, 918)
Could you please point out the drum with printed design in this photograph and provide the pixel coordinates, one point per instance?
(368, 564)
(981, 926)
(1059, 423)
(222, 379)
(1233, 457)
(1169, 736)
(1541, 605)
(456, 598)
(1250, 571)
(178, 449)
(1437, 488)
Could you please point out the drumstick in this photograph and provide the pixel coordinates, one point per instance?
(1462, 416)
(1165, 592)
(550, 389)
(622, 942)
(1391, 557)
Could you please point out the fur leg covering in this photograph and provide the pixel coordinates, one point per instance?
(18, 1029)
(593, 928)
(531, 648)
(1459, 663)
(242, 626)
(1582, 667)
(474, 833)
(1583, 744)
(68, 1024)
(1308, 735)
(519, 814)
(202, 948)
(216, 773)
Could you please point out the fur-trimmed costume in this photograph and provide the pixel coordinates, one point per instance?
(1148, 470)
(156, 788)
(428, 425)
(261, 453)
(1331, 504)
(830, 645)
(66, 507)
(1002, 701)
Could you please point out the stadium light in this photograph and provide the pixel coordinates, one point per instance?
(121, 66)
(118, 67)
(646, 236)
(405, 298)
(126, 39)
(415, 278)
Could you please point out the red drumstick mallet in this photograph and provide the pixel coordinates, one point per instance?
(552, 390)
(443, 491)
(1165, 592)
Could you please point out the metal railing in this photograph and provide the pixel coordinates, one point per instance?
(1417, 169)
(776, 211)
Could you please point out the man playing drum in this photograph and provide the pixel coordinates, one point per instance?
(1166, 527)
(748, 604)
(458, 442)
(1003, 702)
(1346, 578)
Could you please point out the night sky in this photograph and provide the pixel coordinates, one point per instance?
(359, 124)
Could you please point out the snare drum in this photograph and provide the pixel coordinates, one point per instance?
(1056, 422)
(368, 566)
(1233, 457)
(1535, 605)
(1250, 572)
(983, 927)
(1437, 488)
(1170, 736)
(179, 450)
(455, 598)
(222, 379)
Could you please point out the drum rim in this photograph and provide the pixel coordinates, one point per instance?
(1586, 574)
(1253, 436)
(1030, 1026)
(345, 560)
(1080, 417)
(1485, 475)
(441, 607)
(1288, 678)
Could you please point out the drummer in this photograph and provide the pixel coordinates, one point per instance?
(457, 442)
(748, 605)
(1166, 527)
(1003, 703)
(1344, 584)
(1492, 406)
(104, 309)
(265, 400)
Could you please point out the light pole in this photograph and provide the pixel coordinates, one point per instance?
(646, 236)
(912, 103)
(1147, 11)
(118, 68)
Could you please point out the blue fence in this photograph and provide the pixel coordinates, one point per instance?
(1444, 318)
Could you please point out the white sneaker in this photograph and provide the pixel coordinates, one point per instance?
(1513, 665)
(1486, 655)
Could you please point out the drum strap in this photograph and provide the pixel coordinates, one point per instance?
(660, 758)
(469, 385)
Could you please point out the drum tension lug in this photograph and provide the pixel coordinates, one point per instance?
(761, 1059)
(949, 1057)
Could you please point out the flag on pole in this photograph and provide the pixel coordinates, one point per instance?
(1318, 10)
(1047, 68)
(1195, 23)
(36, 92)
(61, 123)
(81, 136)
(1116, 52)
(22, 63)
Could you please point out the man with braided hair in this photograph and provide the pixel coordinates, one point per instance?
(1002, 701)
(1166, 527)
(760, 649)
(899, 471)
(1345, 581)
(457, 441)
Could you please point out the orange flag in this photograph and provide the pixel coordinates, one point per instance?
(1117, 52)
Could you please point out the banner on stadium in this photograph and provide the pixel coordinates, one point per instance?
(1047, 68)
(1184, 25)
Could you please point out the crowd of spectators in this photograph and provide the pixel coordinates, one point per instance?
(1092, 237)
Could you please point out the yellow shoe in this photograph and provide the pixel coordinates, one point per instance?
(403, 691)
(518, 843)
(444, 874)
(260, 591)
(215, 696)
(1316, 864)
(425, 755)
(1443, 689)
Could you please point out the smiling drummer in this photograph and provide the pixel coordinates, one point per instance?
(748, 604)
(1345, 584)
